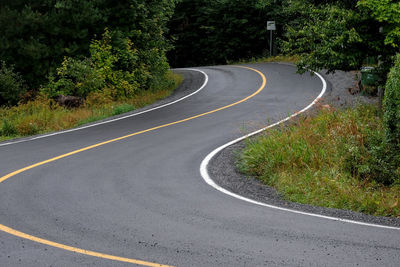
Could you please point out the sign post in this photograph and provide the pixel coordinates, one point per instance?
(271, 26)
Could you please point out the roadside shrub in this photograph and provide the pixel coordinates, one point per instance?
(391, 105)
(117, 65)
(74, 77)
(373, 159)
(12, 86)
(112, 69)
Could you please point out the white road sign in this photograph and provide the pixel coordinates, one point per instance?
(271, 26)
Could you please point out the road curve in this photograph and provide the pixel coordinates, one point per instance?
(142, 197)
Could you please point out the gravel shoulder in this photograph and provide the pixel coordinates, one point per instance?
(222, 168)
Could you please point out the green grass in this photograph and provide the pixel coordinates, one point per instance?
(308, 162)
(43, 115)
(123, 108)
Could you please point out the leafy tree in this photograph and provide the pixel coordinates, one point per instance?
(332, 36)
(145, 24)
(387, 12)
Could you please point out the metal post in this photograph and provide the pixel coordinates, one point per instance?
(271, 27)
(270, 44)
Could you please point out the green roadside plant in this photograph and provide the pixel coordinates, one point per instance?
(386, 12)
(114, 70)
(116, 65)
(12, 86)
(391, 104)
(76, 78)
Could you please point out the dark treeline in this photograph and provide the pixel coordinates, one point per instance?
(213, 32)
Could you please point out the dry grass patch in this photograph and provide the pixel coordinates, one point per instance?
(44, 115)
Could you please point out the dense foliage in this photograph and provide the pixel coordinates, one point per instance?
(36, 35)
(392, 106)
(343, 34)
(12, 86)
(331, 36)
(113, 70)
(387, 13)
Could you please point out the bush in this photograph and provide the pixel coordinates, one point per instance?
(391, 105)
(76, 78)
(12, 86)
(373, 159)
(112, 69)
(117, 65)
(378, 156)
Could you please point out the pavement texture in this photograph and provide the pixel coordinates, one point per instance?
(143, 197)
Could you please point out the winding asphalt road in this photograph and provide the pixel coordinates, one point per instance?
(142, 198)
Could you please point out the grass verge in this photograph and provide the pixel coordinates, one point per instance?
(310, 162)
(279, 58)
(42, 115)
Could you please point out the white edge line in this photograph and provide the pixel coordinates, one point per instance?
(116, 119)
(208, 180)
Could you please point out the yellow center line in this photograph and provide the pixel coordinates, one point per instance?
(93, 253)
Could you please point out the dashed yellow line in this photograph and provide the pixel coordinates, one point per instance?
(93, 253)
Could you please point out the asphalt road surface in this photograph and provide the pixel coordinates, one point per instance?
(142, 198)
